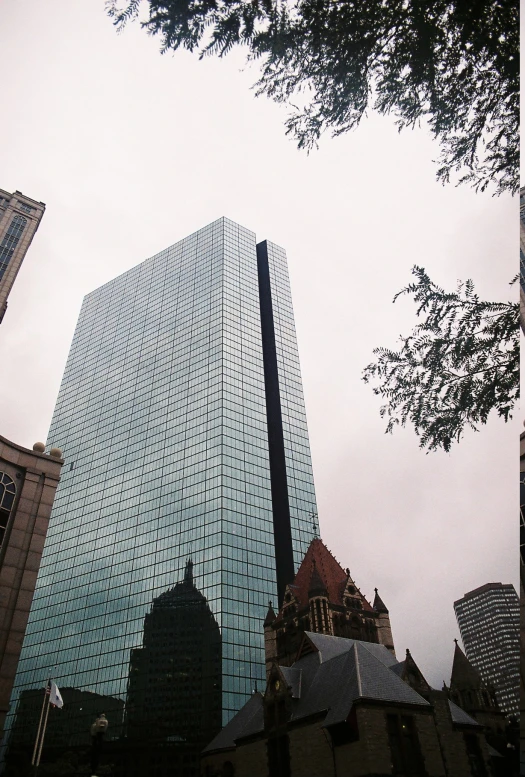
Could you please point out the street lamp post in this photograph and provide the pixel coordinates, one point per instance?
(98, 730)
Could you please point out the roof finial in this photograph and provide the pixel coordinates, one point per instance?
(455, 640)
(314, 525)
(255, 690)
(188, 572)
(375, 589)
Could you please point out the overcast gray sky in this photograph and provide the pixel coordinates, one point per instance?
(132, 151)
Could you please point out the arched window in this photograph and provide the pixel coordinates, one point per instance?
(7, 498)
(10, 241)
(228, 769)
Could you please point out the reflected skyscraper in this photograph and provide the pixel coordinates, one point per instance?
(181, 417)
(174, 699)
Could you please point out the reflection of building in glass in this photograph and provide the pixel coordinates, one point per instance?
(174, 695)
(19, 220)
(67, 740)
(488, 620)
(180, 372)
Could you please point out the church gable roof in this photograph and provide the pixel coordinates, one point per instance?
(409, 671)
(320, 569)
(330, 678)
(346, 671)
(464, 675)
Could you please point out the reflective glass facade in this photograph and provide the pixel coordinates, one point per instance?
(162, 417)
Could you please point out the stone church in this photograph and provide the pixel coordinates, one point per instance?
(323, 598)
(338, 701)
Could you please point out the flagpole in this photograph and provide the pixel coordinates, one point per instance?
(37, 764)
(39, 725)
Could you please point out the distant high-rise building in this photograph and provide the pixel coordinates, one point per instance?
(182, 420)
(19, 220)
(489, 622)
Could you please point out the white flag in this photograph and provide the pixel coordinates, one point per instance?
(54, 696)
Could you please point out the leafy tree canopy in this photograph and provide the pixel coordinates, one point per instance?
(452, 63)
(460, 363)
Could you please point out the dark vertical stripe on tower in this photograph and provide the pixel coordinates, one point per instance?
(282, 530)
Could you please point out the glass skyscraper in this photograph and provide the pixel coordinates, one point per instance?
(182, 422)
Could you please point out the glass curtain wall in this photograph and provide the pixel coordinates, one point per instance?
(162, 419)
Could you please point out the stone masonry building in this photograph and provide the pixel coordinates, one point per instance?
(337, 701)
(28, 481)
(323, 598)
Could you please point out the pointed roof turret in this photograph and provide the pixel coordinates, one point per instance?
(270, 615)
(379, 604)
(409, 671)
(317, 585)
(464, 675)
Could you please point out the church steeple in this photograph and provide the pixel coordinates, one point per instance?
(385, 631)
(464, 675)
(270, 615)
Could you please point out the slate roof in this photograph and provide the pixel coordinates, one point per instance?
(460, 716)
(292, 678)
(345, 671)
(319, 561)
(250, 717)
(336, 673)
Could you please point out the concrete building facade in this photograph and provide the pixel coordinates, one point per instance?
(28, 481)
(19, 220)
(488, 619)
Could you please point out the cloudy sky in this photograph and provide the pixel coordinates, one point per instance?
(132, 151)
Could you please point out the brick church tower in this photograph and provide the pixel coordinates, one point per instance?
(323, 598)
